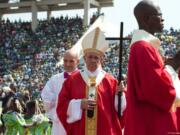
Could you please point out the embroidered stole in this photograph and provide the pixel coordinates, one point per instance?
(91, 93)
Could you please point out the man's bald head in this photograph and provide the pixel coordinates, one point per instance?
(144, 7)
(145, 13)
(71, 53)
(71, 60)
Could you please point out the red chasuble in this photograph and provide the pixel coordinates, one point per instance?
(107, 118)
(179, 74)
(150, 93)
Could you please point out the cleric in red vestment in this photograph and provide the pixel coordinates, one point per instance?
(172, 66)
(87, 102)
(151, 96)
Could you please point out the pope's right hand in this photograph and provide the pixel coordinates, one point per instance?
(88, 104)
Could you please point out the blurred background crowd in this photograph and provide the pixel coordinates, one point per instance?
(28, 59)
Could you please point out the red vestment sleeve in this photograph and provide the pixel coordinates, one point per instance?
(152, 83)
(62, 106)
(73, 88)
(107, 119)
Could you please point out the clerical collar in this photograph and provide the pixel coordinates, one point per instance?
(143, 35)
(67, 74)
(93, 74)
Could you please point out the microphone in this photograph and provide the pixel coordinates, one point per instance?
(91, 95)
(90, 113)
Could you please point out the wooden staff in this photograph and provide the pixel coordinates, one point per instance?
(120, 67)
(120, 62)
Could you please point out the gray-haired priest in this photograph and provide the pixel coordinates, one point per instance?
(87, 104)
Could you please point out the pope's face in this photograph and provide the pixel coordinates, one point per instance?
(92, 60)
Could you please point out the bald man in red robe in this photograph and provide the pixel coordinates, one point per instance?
(151, 96)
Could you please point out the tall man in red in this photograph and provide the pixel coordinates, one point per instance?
(86, 103)
(151, 96)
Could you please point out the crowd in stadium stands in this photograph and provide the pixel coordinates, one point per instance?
(28, 59)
